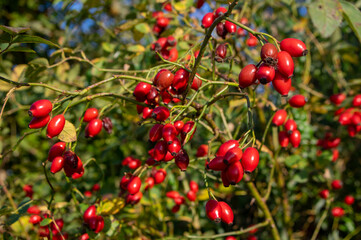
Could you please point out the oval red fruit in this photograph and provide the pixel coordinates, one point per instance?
(285, 64)
(55, 126)
(227, 213)
(93, 128)
(207, 20)
(247, 76)
(295, 138)
(40, 108)
(295, 47)
(40, 122)
(280, 117)
(90, 114)
(213, 210)
(297, 101)
(250, 159)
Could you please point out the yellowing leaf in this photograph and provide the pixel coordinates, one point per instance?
(69, 133)
(180, 6)
(111, 207)
(136, 48)
(15, 75)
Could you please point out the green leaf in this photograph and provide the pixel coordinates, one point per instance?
(326, 15)
(33, 39)
(46, 221)
(142, 27)
(296, 161)
(353, 17)
(12, 219)
(24, 205)
(14, 31)
(136, 48)
(5, 210)
(20, 49)
(69, 133)
(40, 61)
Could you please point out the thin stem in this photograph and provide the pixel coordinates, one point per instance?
(239, 232)
(323, 217)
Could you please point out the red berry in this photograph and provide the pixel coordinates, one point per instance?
(153, 96)
(150, 161)
(175, 208)
(200, 3)
(182, 160)
(187, 128)
(166, 97)
(28, 189)
(85, 236)
(213, 211)
(225, 147)
(149, 183)
(124, 181)
(167, 6)
(60, 223)
(336, 184)
(93, 128)
(162, 22)
(202, 151)
(220, 11)
(297, 101)
(196, 84)
(35, 219)
(56, 150)
(290, 126)
(231, 237)
(134, 199)
(160, 150)
(33, 210)
(173, 55)
(55, 126)
(155, 132)
(282, 84)
(96, 223)
(241, 32)
(283, 138)
(234, 173)
(168, 157)
(57, 164)
(295, 47)
(179, 126)
(324, 194)
(251, 237)
(252, 41)
(221, 30)
(247, 76)
(345, 118)
(171, 41)
(36, 123)
(180, 80)
(233, 155)
(337, 212)
(337, 99)
(90, 114)
(225, 181)
(230, 27)
(192, 196)
(227, 213)
(285, 64)
(160, 113)
(173, 194)
(193, 186)
(164, 79)
(40, 108)
(147, 112)
(169, 132)
(349, 200)
(217, 164)
(134, 184)
(89, 213)
(159, 176)
(295, 138)
(96, 187)
(134, 163)
(269, 53)
(250, 159)
(335, 155)
(356, 101)
(208, 20)
(73, 165)
(265, 74)
(174, 146)
(221, 51)
(280, 117)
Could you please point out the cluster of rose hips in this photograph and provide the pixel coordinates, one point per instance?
(132, 163)
(290, 132)
(95, 124)
(276, 67)
(232, 162)
(349, 200)
(28, 189)
(92, 220)
(161, 22)
(166, 48)
(44, 231)
(350, 117)
(40, 111)
(95, 188)
(329, 142)
(218, 211)
(67, 160)
(179, 199)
